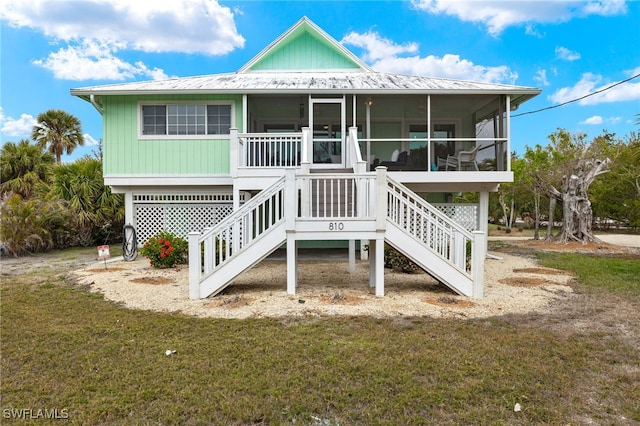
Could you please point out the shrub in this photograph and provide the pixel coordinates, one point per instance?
(164, 250)
(31, 225)
(394, 259)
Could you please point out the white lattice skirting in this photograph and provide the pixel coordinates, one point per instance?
(179, 213)
(465, 214)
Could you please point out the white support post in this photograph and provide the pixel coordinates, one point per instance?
(234, 149)
(381, 198)
(478, 255)
(128, 208)
(307, 141)
(364, 254)
(379, 265)
(194, 266)
(459, 255)
(430, 154)
(508, 132)
(290, 199)
(305, 190)
(372, 263)
(209, 253)
(235, 236)
(292, 263)
(483, 214)
(352, 256)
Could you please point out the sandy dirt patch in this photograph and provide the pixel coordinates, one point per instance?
(326, 288)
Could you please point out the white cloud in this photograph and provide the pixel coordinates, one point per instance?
(531, 30)
(498, 15)
(566, 54)
(94, 61)
(541, 77)
(591, 83)
(92, 33)
(20, 127)
(384, 55)
(187, 26)
(597, 120)
(377, 47)
(90, 140)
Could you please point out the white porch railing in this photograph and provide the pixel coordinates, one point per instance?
(430, 226)
(491, 154)
(269, 149)
(343, 196)
(216, 246)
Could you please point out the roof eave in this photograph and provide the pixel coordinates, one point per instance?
(528, 94)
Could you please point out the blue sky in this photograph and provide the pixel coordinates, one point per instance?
(569, 49)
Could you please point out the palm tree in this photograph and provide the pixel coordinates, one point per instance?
(93, 205)
(22, 167)
(61, 131)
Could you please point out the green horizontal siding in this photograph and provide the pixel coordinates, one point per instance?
(304, 52)
(126, 154)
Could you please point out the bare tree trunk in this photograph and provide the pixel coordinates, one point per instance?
(536, 225)
(576, 207)
(513, 207)
(552, 208)
(504, 209)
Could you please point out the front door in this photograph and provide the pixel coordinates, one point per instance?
(328, 122)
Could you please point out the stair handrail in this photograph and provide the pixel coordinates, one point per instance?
(354, 156)
(451, 238)
(429, 208)
(224, 241)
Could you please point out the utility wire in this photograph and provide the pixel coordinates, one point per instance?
(577, 99)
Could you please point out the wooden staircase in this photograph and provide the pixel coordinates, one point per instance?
(337, 205)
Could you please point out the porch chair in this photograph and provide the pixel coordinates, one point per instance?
(398, 164)
(460, 160)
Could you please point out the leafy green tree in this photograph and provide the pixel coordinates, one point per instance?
(536, 177)
(93, 205)
(617, 196)
(58, 130)
(22, 167)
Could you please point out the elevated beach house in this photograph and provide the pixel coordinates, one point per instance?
(307, 144)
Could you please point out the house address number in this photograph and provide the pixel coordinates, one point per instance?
(336, 226)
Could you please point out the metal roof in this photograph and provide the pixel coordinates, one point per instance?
(304, 82)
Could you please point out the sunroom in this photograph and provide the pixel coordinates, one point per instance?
(391, 131)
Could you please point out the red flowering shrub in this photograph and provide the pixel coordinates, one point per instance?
(164, 250)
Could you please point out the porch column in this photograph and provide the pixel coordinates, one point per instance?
(477, 263)
(379, 265)
(377, 249)
(372, 263)
(290, 206)
(128, 208)
(483, 214)
(352, 256)
(194, 266)
(292, 262)
(233, 151)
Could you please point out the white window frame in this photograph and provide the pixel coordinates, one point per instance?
(141, 136)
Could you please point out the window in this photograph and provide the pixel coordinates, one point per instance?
(154, 120)
(218, 119)
(186, 119)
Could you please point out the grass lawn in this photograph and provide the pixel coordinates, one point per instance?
(69, 350)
